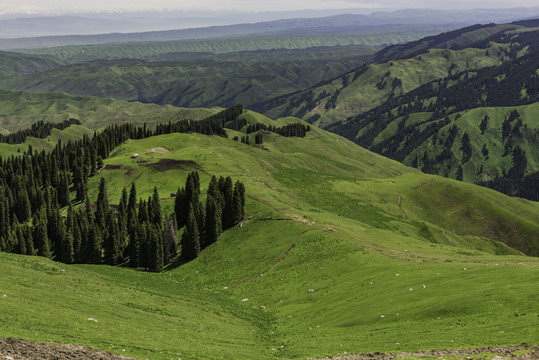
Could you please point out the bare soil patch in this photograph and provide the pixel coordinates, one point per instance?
(491, 352)
(169, 164)
(159, 150)
(15, 349)
(128, 169)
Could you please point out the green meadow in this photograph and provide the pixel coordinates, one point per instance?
(342, 251)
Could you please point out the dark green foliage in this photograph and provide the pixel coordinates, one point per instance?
(213, 226)
(190, 237)
(39, 130)
(466, 148)
(484, 124)
(154, 242)
(170, 240)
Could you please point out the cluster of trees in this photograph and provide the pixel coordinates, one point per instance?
(40, 130)
(291, 130)
(223, 209)
(36, 185)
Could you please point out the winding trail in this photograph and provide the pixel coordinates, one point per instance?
(399, 203)
(274, 264)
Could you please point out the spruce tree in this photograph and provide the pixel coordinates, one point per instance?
(155, 239)
(134, 239)
(180, 207)
(170, 240)
(190, 237)
(63, 189)
(228, 213)
(40, 236)
(113, 249)
(213, 226)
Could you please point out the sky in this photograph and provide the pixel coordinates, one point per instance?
(69, 6)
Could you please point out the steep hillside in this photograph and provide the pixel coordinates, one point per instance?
(371, 85)
(420, 62)
(341, 251)
(475, 126)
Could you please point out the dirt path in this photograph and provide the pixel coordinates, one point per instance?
(274, 265)
(491, 353)
(399, 203)
(15, 349)
(423, 183)
(249, 219)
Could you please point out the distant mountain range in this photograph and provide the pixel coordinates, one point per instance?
(53, 31)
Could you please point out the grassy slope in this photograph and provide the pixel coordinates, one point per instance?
(362, 94)
(361, 252)
(19, 109)
(497, 161)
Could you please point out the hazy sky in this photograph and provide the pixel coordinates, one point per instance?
(61, 6)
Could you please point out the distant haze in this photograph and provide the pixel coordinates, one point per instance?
(78, 6)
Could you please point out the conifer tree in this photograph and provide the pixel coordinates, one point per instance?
(40, 236)
(134, 239)
(113, 249)
(179, 207)
(132, 204)
(155, 240)
(63, 189)
(228, 213)
(170, 240)
(190, 237)
(213, 224)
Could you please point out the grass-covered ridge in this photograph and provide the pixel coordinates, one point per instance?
(21, 109)
(358, 229)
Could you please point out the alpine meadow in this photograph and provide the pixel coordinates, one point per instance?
(345, 184)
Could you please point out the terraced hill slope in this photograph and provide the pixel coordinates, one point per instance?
(341, 251)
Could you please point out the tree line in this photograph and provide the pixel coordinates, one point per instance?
(40, 129)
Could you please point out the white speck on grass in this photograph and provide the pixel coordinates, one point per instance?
(424, 286)
(94, 320)
(225, 288)
(244, 300)
(4, 296)
(411, 289)
(382, 316)
(397, 274)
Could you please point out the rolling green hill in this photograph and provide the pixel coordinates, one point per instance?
(397, 260)
(201, 80)
(20, 109)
